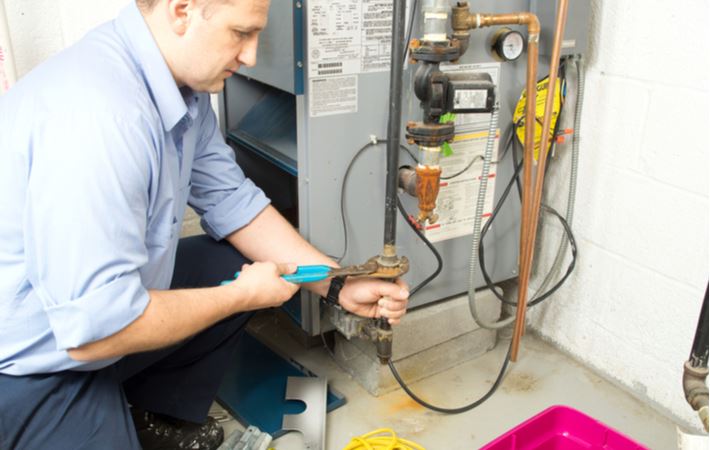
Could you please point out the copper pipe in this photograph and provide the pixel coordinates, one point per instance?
(534, 211)
(462, 20)
(527, 194)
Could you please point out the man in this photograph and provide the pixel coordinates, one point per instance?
(101, 148)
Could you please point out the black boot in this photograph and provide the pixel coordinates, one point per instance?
(159, 432)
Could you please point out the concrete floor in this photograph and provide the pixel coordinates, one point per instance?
(542, 377)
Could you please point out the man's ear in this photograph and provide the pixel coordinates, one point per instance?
(180, 13)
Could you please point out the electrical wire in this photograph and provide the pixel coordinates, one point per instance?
(381, 439)
(547, 209)
(411, 155)
(461, 409)
(439, 261)
(468, 166)
(375, 141)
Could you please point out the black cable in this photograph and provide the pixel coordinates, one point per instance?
(461, 409)
(439, 261)
(375, 141)
(486, 227)
(411, 155)
(468, 166)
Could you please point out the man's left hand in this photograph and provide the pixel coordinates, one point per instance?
(371, 297)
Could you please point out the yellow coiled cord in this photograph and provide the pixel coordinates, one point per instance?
(381, 439)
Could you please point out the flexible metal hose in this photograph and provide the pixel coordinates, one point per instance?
(572, 194)
(478, 218)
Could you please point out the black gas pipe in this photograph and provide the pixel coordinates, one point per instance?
(388, 258)
(695, 370)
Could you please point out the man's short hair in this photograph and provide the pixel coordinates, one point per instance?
(148, 5)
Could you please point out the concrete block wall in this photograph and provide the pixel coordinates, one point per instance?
(641, 221)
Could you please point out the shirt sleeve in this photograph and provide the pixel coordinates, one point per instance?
(225, 198)
(85, 222)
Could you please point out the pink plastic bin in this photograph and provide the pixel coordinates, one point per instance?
(562, 428)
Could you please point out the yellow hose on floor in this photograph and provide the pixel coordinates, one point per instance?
(387, 441)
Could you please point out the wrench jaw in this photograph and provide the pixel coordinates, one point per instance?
(373, 269)
(390, 272)
(354, 271)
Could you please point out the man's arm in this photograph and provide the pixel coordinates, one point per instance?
(269, 237)
(174, 315)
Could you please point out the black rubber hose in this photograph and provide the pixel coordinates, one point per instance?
(420, 235)
(464, 408)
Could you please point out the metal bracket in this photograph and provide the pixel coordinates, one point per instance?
(312, 391)
(251, 439)
(350, 325)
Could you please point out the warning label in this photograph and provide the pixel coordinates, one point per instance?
(456, 203)
(543, 87)
(333, 95)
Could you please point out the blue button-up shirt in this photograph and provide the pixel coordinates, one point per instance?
(100, 152)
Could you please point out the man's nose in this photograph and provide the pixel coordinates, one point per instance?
(247, 56)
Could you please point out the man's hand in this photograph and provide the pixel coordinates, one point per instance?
(260, 286)
(371, 297)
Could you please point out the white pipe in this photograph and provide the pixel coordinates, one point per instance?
(8, 75)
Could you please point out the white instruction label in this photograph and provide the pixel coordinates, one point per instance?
(333, 95)
(345, 37)
(376, 38)
(456, 203)
(348, 36)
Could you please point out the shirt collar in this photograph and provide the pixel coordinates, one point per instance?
(160, 82)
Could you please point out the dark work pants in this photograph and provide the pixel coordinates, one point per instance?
(89, 410)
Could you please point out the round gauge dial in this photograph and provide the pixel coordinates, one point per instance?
(508, 44)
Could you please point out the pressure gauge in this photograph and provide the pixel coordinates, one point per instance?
(508, 44)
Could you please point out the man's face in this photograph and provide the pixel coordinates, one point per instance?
(219, 39)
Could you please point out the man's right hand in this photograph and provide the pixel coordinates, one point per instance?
(260, 285)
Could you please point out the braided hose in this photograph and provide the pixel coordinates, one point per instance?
(572, 194)
(477, 219)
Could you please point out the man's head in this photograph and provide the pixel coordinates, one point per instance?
(204, 41)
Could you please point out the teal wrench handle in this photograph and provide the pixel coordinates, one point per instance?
(303, 274)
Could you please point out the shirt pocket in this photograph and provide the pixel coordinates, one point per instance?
(161, 236)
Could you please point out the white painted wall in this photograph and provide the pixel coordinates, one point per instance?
(631, 307)
(40, 28)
